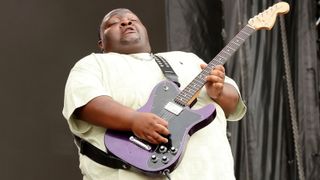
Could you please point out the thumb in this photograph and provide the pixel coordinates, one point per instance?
(202, 66)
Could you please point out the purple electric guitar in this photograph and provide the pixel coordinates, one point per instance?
(173, 105)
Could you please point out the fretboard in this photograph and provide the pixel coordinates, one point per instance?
(187, 95)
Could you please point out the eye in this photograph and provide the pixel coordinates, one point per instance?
(133, 19)
(112, 24)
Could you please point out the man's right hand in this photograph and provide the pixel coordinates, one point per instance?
(105, 112)
(149, 127)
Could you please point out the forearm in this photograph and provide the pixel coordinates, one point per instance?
(228, 99)
(105, 112)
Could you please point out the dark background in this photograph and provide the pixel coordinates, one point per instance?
(40, 42)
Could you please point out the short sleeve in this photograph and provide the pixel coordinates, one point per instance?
(241, 108)
(83, 84)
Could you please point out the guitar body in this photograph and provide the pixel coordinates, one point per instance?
(154, 159)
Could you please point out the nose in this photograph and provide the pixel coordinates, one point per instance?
(126, 22)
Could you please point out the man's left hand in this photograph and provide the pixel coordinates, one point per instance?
(215, 81)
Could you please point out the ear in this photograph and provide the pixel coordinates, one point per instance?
(100, 45)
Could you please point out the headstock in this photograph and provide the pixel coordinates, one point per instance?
(267, 18)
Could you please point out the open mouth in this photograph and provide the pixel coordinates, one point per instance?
(128, 30)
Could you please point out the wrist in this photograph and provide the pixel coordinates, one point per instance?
(132, 116)
(217, 95)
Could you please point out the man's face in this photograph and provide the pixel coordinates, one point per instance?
(121, 31)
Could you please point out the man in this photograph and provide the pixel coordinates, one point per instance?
(104, 90)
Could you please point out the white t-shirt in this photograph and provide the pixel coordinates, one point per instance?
(129, 79)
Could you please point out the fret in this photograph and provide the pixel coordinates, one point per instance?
(190, 89)
(182, 101)
(242, 34)
(236, 42)
(185, 99)
(224, 54)
(227, 51)
(207, 70)
(210, 67)
(181, 97)
(187, 95)
(193, 89)
(220, 59)
(219, 62)
(194, 85)
(179, 101)
(233, 46)
(201, 81)
(246, 33)
(201, 76)
(240, 39)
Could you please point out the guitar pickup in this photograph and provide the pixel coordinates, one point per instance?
(174, 108)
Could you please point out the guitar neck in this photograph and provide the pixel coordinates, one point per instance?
(188, 94)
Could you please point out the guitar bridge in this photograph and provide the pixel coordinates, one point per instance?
(140, 143)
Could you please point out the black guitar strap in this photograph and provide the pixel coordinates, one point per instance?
(167, 69)
(100, 156)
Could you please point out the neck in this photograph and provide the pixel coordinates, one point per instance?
(143, 57)
(129, 49)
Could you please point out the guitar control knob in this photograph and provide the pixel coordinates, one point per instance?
(173, 150)
(154, 158)
(163, 149)
(165, 159)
